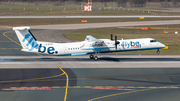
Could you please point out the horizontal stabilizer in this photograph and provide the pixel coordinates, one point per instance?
(21, 28)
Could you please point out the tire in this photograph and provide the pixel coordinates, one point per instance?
(95, 58)
(91, 56)
(158, 51)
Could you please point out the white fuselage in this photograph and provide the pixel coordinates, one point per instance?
(89, 47)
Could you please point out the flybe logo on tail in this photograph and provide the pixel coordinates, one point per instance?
(30, 41)
(131, 44)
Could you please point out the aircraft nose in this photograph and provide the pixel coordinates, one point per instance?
(162, 45)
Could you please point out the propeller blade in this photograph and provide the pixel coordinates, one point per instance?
(116, 42)
(111, 37)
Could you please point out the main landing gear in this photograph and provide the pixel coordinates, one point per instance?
(158, 51)
(95, 56)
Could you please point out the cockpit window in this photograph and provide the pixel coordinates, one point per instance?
(87, 38)
(153, 41)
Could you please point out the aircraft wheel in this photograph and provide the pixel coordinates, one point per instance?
(95, 58)
(158, 51)
(91, 56)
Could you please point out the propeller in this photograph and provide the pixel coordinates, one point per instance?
(116, 42)
(111, 37)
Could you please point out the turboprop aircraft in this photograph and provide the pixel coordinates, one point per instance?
(90, 45)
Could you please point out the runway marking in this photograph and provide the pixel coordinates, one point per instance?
(77, 86)
(26, 89)
(141, 87)
(117, 94)
(34, 87)
(56, 87)
(10, 38)
(17, 42)
(67, 81)
(5, 41)
(173, 86)
(39, 54)
(119, 87)
(111, 88)
(87, 87)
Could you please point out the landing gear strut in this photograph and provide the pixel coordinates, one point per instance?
(96, 56)
(158, 51)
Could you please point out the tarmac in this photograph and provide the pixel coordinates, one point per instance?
(29, 76)
(44, 80)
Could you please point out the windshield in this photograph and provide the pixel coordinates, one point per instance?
(153, 41)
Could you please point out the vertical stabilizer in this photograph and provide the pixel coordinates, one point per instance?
(26, 38)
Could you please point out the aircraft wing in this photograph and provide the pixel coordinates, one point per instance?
(90, 38)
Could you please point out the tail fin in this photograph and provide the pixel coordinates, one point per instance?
(27, 40)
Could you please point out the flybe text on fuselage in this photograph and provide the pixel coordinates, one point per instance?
(49, 50)
(131, 44)
(41, 49)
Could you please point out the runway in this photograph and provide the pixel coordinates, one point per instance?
(104, 16)
(105, 61)
(30, 77)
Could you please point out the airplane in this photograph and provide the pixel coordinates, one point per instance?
(90, 45)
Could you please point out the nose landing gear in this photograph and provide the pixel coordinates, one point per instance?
(158, 51)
